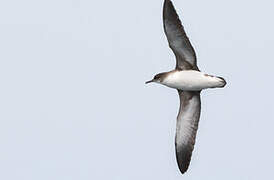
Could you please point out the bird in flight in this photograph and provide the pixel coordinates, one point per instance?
(189, 82)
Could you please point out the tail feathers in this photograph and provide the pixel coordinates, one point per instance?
(223, 81)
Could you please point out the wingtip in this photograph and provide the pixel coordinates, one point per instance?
(183, 166)
(183, 171)
(168, 7)
(183, 157)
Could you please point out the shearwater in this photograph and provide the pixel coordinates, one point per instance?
(189, 82)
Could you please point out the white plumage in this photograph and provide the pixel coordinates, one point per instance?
(191, 80)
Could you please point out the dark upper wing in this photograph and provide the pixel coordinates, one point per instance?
(177, 38)
(186, 128)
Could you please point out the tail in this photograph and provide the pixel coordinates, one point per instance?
(223, 82)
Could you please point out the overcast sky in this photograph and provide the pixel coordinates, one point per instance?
(74, 106)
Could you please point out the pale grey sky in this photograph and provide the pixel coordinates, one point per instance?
(73, 103)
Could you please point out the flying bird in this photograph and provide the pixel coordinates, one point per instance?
(189, 82)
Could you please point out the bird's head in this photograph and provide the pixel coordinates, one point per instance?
(159, 78)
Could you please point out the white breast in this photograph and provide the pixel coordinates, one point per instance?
(191, 80)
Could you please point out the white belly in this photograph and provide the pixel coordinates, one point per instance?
(192, 80)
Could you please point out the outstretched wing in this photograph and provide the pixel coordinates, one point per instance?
(186, 128)
(177, 38)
